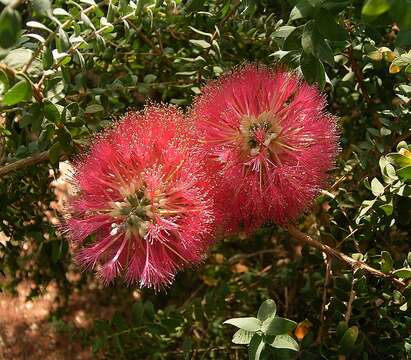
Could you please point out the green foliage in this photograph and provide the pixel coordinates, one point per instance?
(266, 329)
(68, 68)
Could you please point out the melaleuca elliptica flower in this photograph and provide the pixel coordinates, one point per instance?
(272, 142)
(141, 208)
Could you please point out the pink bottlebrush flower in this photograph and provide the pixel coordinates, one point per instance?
(142, 207)
(272, 142)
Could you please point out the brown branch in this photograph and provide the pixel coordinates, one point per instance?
(350, 301)
(20, 164)
(328, 263)
(354, 264)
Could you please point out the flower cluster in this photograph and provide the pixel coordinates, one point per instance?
(271, 140)
(256, 147)
(142, 194)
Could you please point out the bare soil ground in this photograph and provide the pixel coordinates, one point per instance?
(27, 333)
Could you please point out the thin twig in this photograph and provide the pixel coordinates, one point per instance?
(328, 263)
(354, 264)
(19, 164)
(349, 303)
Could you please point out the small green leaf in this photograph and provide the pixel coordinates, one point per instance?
(312, 69)
(63, 41)
(60, 12)
(301, 10)
(86, 21)
(245, 323)
(327, 27)
(65, 139)
(284, 342)
(42, 6)
(47, 58)
(17, 58)
(54, 153)
(94, 108)
(4, 82)
(278, 326)
(256, 347)
(99, 343)
(267, 310)
(376, 187)
(150, 78)
(10, 27)
(17, 93)
(375, 7)
(37, 25)
(51, 112)
(242, 337)
(386, 262)
(341, 329)
(348, 340)
(137, 311)
(200, 43)
(404, 273)
(404, 173)
(283, 31)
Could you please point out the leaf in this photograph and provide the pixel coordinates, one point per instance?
(51, 112)
(17, 93)
(242, 337)
(267, 310)
(94, 108)
(99, 343)
(301, 10)
(10, 27)
(278, 326)
(137, 311)
(200, 43)
(201, 32)
(37, 25)
(245, 323)
(150, 78)
(313, 43)
(256, 347)
(404, 273)
(47, 58)
(54, 153)
(375, 7)
(386, 262)
(4, 82)
(283, 31)
(86, 21)
(376, 187)
(60, 12)
(284, 342)
(394, 69)
(42, 6)
(63, 43)
(404, 173)
(348, 340)
(312, 69)
(341, 329)
(399, 159)
(327, 27)
(36, 36)
(17, 58)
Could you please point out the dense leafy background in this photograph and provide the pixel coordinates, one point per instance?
(68, 68)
